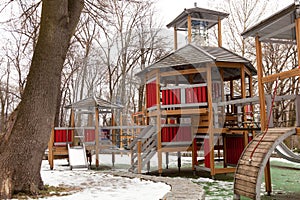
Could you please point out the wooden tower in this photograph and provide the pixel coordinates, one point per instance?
(184, 95)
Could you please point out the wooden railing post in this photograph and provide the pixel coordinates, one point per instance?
(139, 155)
(297, 103)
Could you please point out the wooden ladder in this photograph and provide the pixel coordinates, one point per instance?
(248, 176)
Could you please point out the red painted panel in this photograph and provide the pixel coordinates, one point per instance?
(199, 94)
(163, 96)
(62, 136)
(235, 147)
(89, 135)
(178, 95)
(204, 94)
(151, 94)
(206, 153)
(195, 95)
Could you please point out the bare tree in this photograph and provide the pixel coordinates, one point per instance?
(23, 144)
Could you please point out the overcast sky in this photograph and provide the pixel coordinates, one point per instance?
(169, 9)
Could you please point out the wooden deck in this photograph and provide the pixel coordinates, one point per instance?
(249, 171)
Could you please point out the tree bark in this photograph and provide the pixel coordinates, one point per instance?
(24, 143)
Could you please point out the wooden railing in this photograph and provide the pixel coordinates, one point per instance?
(143, 147)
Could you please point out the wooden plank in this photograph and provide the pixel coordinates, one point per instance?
(267, 138)
(298, 131)
(245, 186)
(228, 64)
(244, 193)
(204, 124)
(185, 111)
(224, 170)
(282, 75)
(256, 154)
(202, 130)
(253, 163)
(255, 159)
(245, 169)
(183, 72)
(250, 179)
(176, 149)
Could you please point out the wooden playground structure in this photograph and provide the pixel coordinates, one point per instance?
(281, 27)
(193, 105)
(84, 124)
(183, 93)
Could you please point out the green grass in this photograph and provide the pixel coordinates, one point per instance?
(285, 184)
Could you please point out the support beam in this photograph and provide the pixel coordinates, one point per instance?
(189, 19)
(297, 22)
(297, 105)
(175, 38)
(262, 100)
(97, 135)
(281, 75)
(261, 91)
(158, 123)
(210, 120)
(219, 32)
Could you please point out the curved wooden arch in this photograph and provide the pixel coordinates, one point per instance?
(248, 176)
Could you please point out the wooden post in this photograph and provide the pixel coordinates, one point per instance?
(50, 149)
(297, 108)
(297, 23)
(113, 132)
(121, 131)
(189, 29)
(175, 38)
(72, 125)
(97, 135)
(139, 151)
(243, 95)
(231, 94)
(262, 101)
(158, 118)
(261, 91)
(210, 121)
(219, 32)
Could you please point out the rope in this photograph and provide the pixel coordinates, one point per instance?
(269, 118)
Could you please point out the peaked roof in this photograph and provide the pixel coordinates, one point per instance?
(193, 55)
(93, 102)
(279, 26)
(200, 14)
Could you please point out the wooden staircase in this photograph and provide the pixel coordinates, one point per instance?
(143, 148)
(249, 171)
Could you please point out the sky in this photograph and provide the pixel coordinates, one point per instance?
(169, 9)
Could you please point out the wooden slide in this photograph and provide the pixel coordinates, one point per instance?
(248, 176)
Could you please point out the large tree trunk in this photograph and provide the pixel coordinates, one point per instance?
(23, 145)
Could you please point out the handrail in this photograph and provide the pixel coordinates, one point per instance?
(142, 145)
(252, 100)
(142, 134)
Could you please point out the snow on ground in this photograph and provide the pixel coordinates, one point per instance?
(98, 185)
